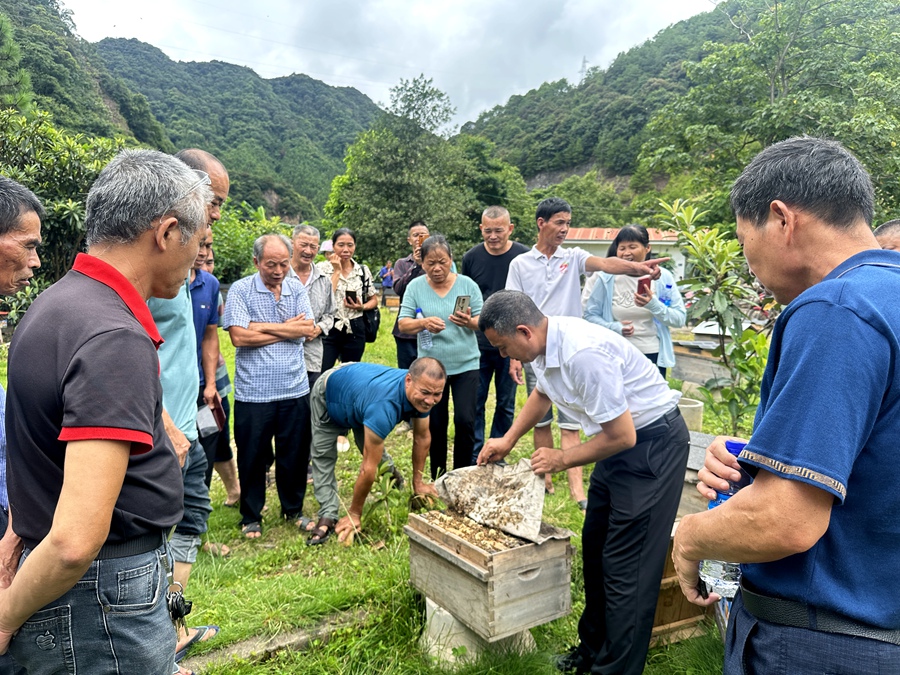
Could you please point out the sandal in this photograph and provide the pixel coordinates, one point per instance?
(251, 529)
(303, 524)
(324, 530)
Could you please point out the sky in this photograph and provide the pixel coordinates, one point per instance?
(480, 52)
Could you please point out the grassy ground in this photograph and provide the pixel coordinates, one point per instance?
(277, 583)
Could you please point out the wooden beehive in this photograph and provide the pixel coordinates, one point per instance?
(676, 618)
(495, 594)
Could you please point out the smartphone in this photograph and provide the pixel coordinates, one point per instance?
(462, 303)
(420, 238)
(351, 296)
(644, 285)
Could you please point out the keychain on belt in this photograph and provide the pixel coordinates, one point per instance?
(176, 604)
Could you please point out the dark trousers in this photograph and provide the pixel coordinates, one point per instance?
(407, 352)
(347, 347)
(632, 502)
(464, 387)
(217, 446)
(494, 367)
(255, 425)
(757, 647)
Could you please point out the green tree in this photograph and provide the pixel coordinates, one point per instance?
(826, 69)
(15, 83)
(402, 171)
(60, 168)
(595, 202)
(233, 238)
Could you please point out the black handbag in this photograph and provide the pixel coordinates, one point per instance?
(371, 317)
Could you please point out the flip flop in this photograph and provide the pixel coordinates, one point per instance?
(322, 533)
(199, 636)
(251, 528)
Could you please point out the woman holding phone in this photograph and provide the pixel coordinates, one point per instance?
(636, 307)
(450, 304)
(354, 291)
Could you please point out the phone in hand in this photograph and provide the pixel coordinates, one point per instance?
(420, 239)
(644, 285)
(351, 296)
(462, 303)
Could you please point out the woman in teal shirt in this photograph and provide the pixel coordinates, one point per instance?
(453, 344)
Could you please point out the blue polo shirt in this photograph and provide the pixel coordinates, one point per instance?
(274, 372)
(370, 395)
(178, 359)
(205, 302)
(829, 416)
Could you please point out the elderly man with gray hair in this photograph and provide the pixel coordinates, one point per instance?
(269, 317)
(95, 484)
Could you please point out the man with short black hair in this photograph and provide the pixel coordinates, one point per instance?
(487, 264)
(640, 444)
(371, 400)
(268, 317)
(551, 276)
(95, 484)
(816, 532)
(20, 235)
(405, 270)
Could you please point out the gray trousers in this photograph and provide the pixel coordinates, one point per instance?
(323, 454)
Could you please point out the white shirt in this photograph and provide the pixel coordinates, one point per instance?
(594, 375)
(553, 283)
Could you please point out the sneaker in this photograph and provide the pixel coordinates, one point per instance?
(573, 661)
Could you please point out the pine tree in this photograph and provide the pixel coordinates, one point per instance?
(15, 83)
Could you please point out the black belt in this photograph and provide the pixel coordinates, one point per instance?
(657, 427)
(799, 615)
(135, 546)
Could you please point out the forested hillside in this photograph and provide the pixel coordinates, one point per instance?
(602, 119)
(65, 77)
(286, 135)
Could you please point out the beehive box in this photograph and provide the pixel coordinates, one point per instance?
(495, 594)
(676, 618)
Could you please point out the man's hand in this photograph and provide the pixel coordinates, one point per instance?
(493, 450)
(210, 394)
(10, 552)
(5, 637)
(423, 488)
(347, 528)
(417, 255)
(688, 570)
(719, 467)
(178, 439)
(515, 371)
(627, 328)
(547, 460)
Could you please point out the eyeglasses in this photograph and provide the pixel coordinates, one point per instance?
(203, 180)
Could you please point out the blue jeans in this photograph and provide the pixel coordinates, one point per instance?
(114, 621)
(186, 539)
(756, 647)
(494, 367)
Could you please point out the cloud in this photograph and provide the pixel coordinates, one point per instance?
(480, 52)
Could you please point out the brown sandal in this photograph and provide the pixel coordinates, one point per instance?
(322, 532)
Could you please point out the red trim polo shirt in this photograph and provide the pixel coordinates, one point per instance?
(83, 366)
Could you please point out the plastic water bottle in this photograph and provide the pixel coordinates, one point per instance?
(425, 341)
(721, 577)
(665, 295)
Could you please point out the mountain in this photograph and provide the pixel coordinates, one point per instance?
(281, 138)
(601, 120)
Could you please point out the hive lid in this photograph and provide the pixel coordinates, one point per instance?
(507, 497)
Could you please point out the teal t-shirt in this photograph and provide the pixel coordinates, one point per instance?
(370, 395)
(455, 347)
(178, 359)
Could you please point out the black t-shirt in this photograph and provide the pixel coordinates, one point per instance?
(489, 272)
(83, 366)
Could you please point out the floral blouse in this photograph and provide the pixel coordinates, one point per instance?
(343, 315)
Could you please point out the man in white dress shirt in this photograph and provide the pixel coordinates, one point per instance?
(639, 441)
